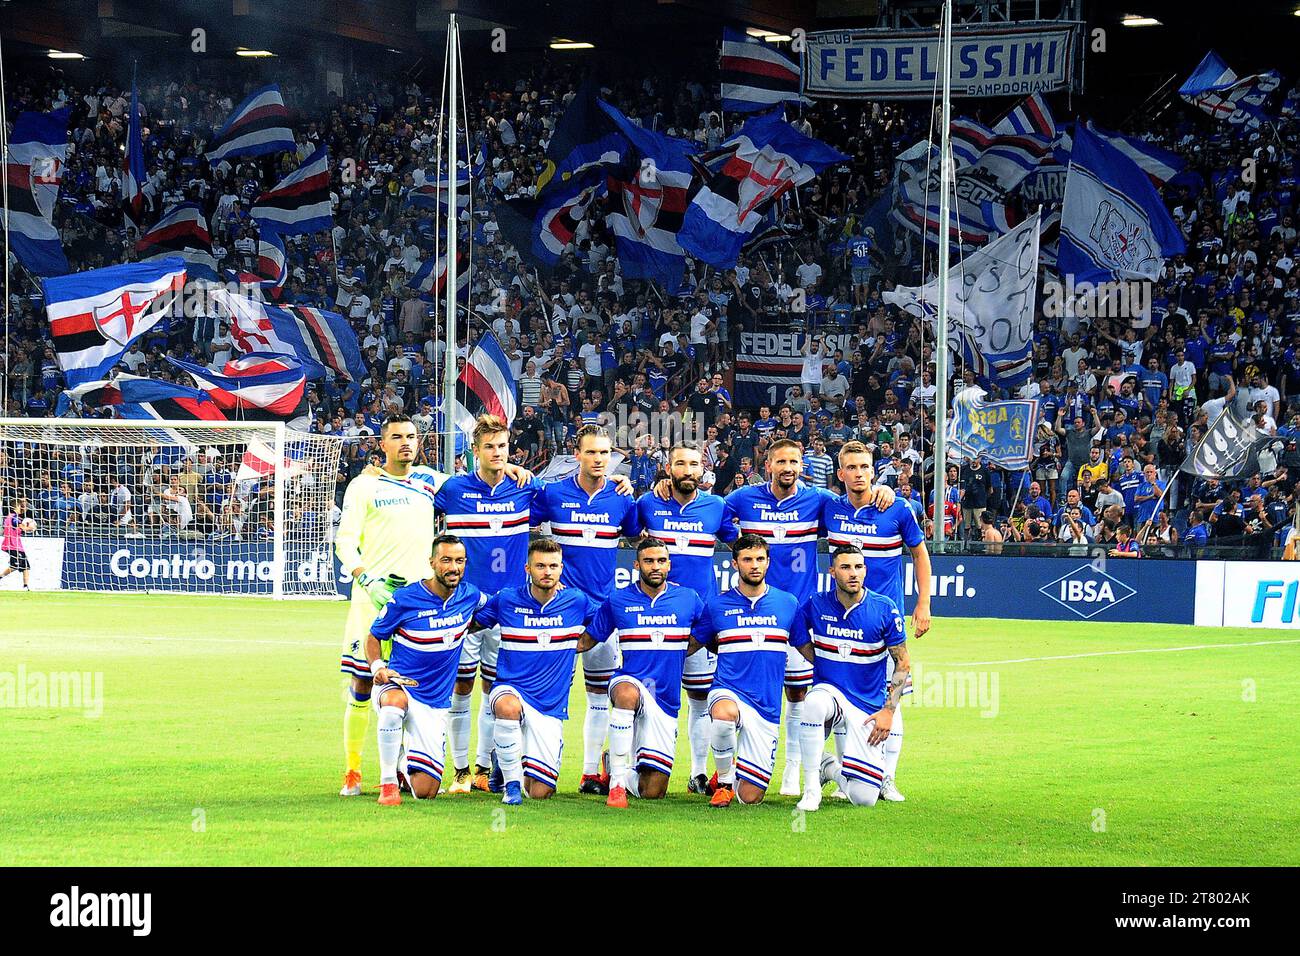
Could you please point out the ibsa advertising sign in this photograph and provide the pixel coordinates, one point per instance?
(1045, 589)
(1261, 594)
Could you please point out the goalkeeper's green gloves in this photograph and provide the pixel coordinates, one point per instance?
(380, 590)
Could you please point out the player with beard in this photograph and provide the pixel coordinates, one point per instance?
(688, 522)
(786, 513)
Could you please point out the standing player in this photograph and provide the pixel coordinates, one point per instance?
(881, 535)
(588, 515)
(750, 628)
(13, 543)
(687, 523)
(786, 513)
(650, 622)
(426, 622)
(852, 630)
(540, 626)
(384, 539)
(491, 515)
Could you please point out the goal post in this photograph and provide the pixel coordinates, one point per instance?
(222, 508)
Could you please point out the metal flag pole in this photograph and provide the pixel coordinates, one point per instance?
(941, 330)
(449, 356)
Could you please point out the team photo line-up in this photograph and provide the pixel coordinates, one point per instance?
(484, 597)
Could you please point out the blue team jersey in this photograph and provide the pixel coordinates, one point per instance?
(790, 528)
(539, 645)
(881, 535)
(427, 633)
(652, 635)
(493, 523)
(751, 636)
(850, 644)
(588, 528)
(688, 530)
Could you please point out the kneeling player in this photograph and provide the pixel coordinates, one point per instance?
(750, 629)
(427, 622)
(852, 631)
(540, 628)
(651, 622)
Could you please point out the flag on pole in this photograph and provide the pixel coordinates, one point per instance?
(299, 203)
(259, 126)
(133, 171)
(485, 386)
(38, 151)
(769, 158)
(126, 389)
(559, 214)
(182, 232)
(96, 315)
(258, 461)
(990, 306)
(257, 386)
(999, 432)
(271, 267)
(430, 280)
(649, 193)
(1114, 226)
(584, 141)
(1216, 89)
(755, 74)
(1231, 446)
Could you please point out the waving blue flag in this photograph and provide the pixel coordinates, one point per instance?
(1000, 432)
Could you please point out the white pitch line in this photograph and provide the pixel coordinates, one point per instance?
(1139, 650)
(195, 640)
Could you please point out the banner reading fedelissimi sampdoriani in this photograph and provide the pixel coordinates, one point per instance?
(987, 60)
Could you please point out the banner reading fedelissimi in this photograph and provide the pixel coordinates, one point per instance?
(987, 60)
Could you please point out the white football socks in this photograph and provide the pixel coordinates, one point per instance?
(458, 730)
(390, 742)
(894, 744)
(793, 716)
(483, 753)
(508, 739)
(620, 746)
(812, 740)
(697, 730)
(724, 749)
(594, 726)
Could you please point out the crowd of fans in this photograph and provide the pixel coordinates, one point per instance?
(1119, 406)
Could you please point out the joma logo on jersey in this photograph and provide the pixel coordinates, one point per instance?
(1087, 591)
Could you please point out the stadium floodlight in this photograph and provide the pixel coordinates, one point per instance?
(572, 45)
(220, 508)
(759, 32)
(244, 51)
(778, 38)
(65, 55)
(1136, 20)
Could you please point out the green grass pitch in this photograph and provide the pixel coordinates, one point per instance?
(219, 744)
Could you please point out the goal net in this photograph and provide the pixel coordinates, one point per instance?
(238, 508)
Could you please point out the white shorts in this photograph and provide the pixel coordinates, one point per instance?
(424, 733)
(755, 741)
(698, 671)
(599, 664)
(861, 760)
(478, 652)
(543, 738)
(654, 733)
(1047, 473)
(798, 669)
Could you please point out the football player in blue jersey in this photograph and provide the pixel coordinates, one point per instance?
(853, 632)
(882, 535)
(540, 625)
(749, 628)
(688, 521)
(587, 516)
(426, 622)
(650, 624)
